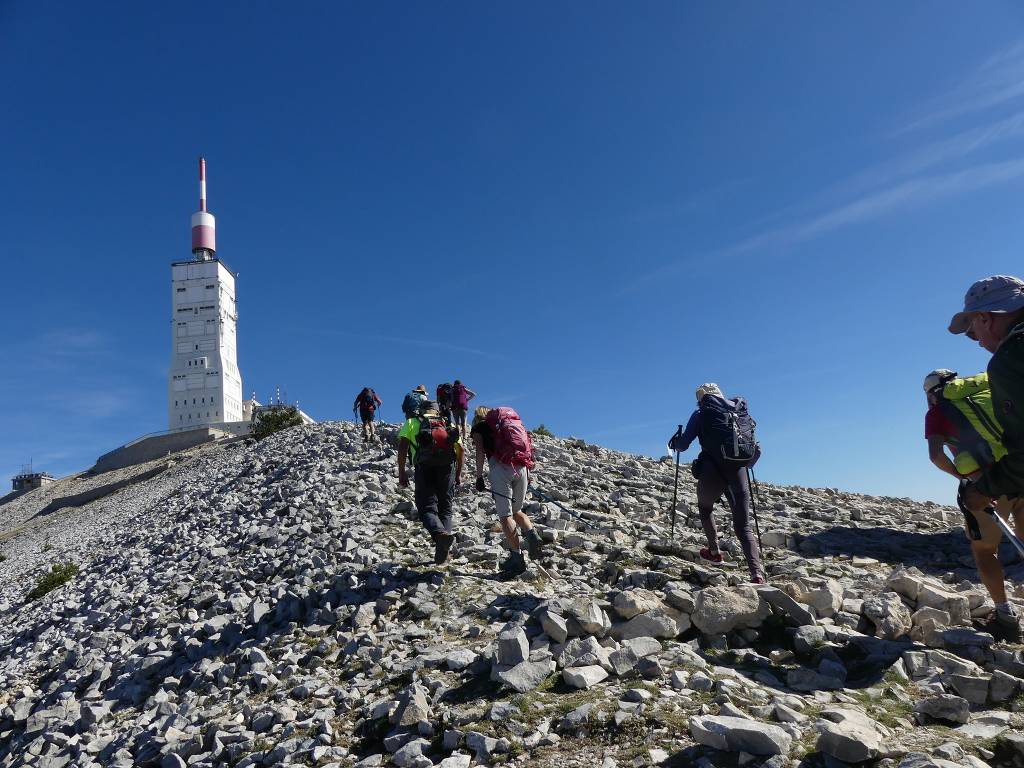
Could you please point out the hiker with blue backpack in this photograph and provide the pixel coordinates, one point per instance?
(504, 444)
(728, 448)
(414, 401)
(434, 448)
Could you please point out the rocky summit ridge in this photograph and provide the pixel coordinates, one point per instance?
(275, 603)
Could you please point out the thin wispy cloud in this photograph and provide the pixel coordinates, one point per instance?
(995, 82)
(950, 150)
(630, 429)
(941, 169)
(70, 342)
(421, 343)
(908, 194)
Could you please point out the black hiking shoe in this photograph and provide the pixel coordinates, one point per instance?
(514, 565)
(534, 544)
(442, 547)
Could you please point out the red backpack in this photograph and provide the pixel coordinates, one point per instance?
(435, 442)
(512, 444)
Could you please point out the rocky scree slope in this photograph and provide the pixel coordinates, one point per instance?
(276, 603)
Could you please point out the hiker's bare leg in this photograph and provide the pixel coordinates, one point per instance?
(508, 527)
(990, 570)
(522, 521)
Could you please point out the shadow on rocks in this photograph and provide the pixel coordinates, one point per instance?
(934, 553)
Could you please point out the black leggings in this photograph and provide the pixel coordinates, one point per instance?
(712, 482)
(435, 487)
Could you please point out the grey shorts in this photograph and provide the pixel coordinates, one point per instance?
(508, 481)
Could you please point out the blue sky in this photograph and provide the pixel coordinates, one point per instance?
(581, 210)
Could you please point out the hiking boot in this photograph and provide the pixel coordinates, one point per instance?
(514, 565)
(534, 544)
(711, 557)
(759, 580)
(1007, 620)
(442, 547)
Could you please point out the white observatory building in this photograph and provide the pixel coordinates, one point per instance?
(204, 386)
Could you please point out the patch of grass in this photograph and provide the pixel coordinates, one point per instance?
(569, 702)
(543, 431)
(886, 710)
(60, 574)
(525, 702)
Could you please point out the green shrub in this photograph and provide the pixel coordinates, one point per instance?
(273, 420)
(543, 431)
(60, 574)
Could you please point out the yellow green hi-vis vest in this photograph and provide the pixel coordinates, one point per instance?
(980, 441)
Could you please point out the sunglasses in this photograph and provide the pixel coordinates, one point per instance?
(970, 333)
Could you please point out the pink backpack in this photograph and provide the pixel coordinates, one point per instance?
(460, 397)
(512, 444)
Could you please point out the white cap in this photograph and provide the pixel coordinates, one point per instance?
(708, 388)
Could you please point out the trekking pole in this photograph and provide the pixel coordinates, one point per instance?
(752, 483)
(675, 486)
(541, 495)
(1017, 543)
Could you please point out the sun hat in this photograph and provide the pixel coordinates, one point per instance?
(708, 388)
(998, 293)
(421, 388)
(937, 377)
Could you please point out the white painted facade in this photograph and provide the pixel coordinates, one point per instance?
(204, 384)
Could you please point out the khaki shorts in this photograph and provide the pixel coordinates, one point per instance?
(982, 529)
(508, 487)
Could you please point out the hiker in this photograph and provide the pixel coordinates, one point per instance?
(718, 471)
(993, 315)
(960, 418)
(461, 395)
(367, 402)
(501, 439)
(435, 450)
(413, 401)
(444, 400)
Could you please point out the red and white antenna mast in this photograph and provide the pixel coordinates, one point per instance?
(204, 226)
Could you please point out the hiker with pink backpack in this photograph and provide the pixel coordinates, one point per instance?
(459, 401)
(499, 437)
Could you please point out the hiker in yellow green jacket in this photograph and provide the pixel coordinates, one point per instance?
(960, 419)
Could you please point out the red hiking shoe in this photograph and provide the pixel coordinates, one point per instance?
(711, 557)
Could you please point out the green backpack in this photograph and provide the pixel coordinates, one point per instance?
(968, 402)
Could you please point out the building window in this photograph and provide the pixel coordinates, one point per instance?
(181, 290)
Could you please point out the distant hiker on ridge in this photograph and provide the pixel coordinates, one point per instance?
(435, 450)
(993, 315)
(499, 437)
(461, 395)
(722, 426)
(960, 417)
(413, 401)
(366, 404)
